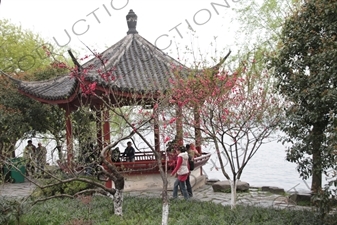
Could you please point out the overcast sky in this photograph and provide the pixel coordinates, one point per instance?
(101, 23)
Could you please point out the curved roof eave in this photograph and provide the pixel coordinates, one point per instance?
(59, 90)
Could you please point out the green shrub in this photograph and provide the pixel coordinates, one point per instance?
(11, 209)
(69, 188)
(147, 211)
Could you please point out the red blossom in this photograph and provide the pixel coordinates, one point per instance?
(172, 120)
(92, 86)
(167, 139)
(85, 57)
(60, 65)
(87, 89)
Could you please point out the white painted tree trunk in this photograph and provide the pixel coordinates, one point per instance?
(164, 220)
(233, 193)
(118, 202)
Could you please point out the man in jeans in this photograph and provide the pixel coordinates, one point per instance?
(182, 171)
(129, 153)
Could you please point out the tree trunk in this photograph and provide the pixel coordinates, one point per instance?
(165, 213)
(166, 206)
(316, 183)
(233, 193)
(118, 202)
(118, 196)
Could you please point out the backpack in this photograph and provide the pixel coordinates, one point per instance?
(191, 162)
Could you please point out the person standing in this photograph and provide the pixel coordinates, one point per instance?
(90, 157)
(193, 151)
(115, 155)
(188, 184)
(29, 157)
(41, 157)
(182, 171)
(89, 152)
(129, 153)
(171, 153)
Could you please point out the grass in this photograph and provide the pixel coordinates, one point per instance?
(147, 211)
(303, 203)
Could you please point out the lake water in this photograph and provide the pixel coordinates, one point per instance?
(268, 167)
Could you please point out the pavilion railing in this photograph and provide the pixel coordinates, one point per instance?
(145, 163)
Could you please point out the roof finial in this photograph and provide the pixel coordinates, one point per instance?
(131, 19)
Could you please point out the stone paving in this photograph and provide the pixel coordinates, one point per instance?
(16, 189)
(254, 197)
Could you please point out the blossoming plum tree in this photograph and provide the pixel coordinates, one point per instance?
(235, 111)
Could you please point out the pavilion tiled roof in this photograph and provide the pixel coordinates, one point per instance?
(134, 65)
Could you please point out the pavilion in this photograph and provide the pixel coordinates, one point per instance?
(135, 70)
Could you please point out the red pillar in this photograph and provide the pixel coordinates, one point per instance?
(69, 136)
(197, 131)
(106, 128)
(156, 130)
(108, 183)
(179, 125)
(105, 137)
(99, 129)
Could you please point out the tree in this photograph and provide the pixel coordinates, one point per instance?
(236, 112)
(306, 73)
(24, 51)
(20, 113)
(23, 56)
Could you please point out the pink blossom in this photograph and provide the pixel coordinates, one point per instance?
(172, 120)
(166, 139)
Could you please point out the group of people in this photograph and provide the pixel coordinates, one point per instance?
(35, 158)
(182, 170)
(129, 153)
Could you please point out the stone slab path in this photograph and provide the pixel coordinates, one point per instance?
(254, 197)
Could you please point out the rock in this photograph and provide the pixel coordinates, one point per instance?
(301, 197)
(211, 181)
(274, 190)
(224, 186)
